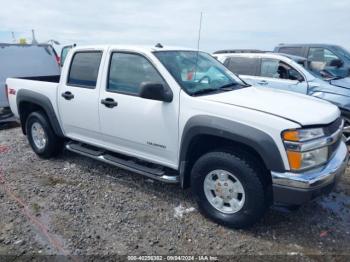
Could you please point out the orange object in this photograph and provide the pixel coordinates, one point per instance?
(294, 159)
(292, 135)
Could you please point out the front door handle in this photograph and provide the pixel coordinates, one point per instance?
(263, 82)
(67, 95)
(109, 102)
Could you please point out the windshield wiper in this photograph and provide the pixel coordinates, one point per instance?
(233, 84)
(223, 88)
(337, 78)
(205, 91)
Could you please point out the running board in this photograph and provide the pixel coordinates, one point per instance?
(127, 164)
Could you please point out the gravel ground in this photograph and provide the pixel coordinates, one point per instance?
(74, 205)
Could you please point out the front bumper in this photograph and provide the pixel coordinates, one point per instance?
(297, 188)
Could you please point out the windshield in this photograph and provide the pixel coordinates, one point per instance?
(344, 52)
(198, 72)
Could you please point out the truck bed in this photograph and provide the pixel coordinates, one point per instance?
(51, 78)
(45, 86)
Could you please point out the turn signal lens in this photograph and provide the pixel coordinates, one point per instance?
(291, 135)
(294, 159)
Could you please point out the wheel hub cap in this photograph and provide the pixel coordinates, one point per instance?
(39, 135)
(346, 130)
(224, 191)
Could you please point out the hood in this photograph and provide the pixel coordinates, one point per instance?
(334, 91)
(343, 82)
(302, 109)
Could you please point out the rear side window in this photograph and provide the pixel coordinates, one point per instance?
(128, 71)
(291, 50)
(269, 68)
(243, 65)
(84, 69)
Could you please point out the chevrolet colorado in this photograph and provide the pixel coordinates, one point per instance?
(179, 116)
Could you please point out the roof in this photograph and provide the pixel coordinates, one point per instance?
(306, 44)
(144, 48)
(228, 51)
(293, 57)
(264, 54)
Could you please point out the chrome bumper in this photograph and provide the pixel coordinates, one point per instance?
(315, 178)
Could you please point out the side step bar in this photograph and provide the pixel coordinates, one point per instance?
(127, 164)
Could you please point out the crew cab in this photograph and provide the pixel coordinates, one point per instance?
(290, 73)
(333, 58)
(179, 116)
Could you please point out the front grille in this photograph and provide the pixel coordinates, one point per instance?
(331, 129)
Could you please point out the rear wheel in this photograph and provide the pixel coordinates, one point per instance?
(228, 189)
(44, 142)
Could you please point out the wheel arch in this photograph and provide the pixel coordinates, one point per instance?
(204, 133)
(30, 101)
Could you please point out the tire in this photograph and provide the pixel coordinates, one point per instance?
(346, 130)
(253, 202)
(50, 145)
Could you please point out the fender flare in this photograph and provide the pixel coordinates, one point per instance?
(44, 103)
(252, 137)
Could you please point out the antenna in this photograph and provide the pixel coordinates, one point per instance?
(13, 37)
(34, 42)
(198, 41)
(199, 31)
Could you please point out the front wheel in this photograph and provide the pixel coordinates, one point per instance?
(44, 142)
(228, 189)
(346, 130)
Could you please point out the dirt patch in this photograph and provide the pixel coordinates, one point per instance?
(94, 208)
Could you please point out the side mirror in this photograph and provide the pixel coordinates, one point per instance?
(326, 74)
(155, 91)
(336, 63)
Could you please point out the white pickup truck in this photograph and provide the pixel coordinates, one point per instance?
(180, 116)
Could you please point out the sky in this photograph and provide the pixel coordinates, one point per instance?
(258, 24)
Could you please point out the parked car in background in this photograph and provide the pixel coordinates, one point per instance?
(64, 53)
(288, 72)
(179, 116)
(333, 58)
(24, 60)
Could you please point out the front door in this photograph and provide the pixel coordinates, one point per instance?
(133, 125)
(279, 75)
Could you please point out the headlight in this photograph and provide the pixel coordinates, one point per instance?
(304, 160)
(301, 157)
(301, 135)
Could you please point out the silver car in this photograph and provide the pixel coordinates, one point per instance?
(288, 72)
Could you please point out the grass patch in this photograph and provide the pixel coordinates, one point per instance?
(53, 181)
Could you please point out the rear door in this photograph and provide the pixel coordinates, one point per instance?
(246, 67)
(78, 95)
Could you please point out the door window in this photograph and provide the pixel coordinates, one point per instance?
(298, 51)
(128, 71)
(243, 65)
(274, 68)
(320, 58)
(84, 69)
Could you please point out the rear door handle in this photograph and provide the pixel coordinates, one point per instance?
(67, 95)
(109, 102)
(263, 82)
